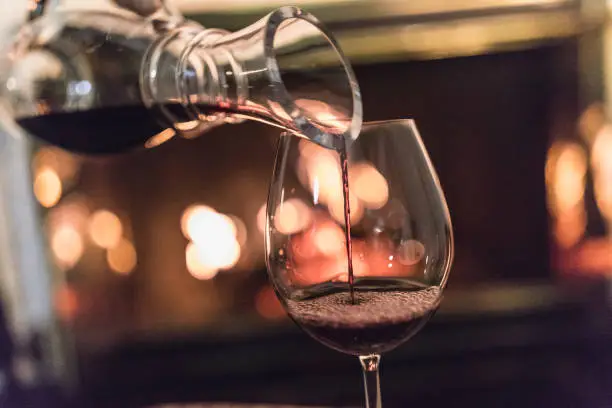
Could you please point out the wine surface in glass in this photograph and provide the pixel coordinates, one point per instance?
(384, 314)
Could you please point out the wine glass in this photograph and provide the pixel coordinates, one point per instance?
(398, 234)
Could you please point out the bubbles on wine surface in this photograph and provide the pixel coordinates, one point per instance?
(371, 308)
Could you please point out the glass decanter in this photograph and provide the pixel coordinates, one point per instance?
(106, 76)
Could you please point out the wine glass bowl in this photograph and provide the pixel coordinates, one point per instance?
(399, 236)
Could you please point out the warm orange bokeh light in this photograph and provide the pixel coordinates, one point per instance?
(67, 246)
(319, 269)
(195, 266)
(566, 169)
(122, 258)
(203, 225)
(322, 174)
(592, 257)
(223, 254)
(187, 219)
(319, 170)
(47, 187)
(569, 227)
(268, 305)
(240, 229)
(369, 185)
(105, 229)
(319, 255)
(73, 211)
(215, 239)
(64, 164)
(329, 239)
(309, 244)
(566, 176)
(601, 161)
(292, 216)
(603, 196)
(336, 209)
(66, 303)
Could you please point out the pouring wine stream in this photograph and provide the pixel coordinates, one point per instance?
(347, 217)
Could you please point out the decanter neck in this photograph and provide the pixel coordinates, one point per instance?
(284, 70)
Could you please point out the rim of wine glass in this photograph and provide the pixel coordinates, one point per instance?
(411, 123)
(285, 99)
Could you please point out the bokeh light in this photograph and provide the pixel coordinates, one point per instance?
(196, 267)
(67, 246)
(216, 240)
(187, 219)
(122, 258)
(565, 173)
(64, 164)
(566, 168)
(268, 305)
(66, 302)
(601, 161)
(320, 171)
(241, 231)
(222, 254)
(336, 209)
(47, 187)
(292, 216)
(204, 225)
(569, 227)
(329, 240)
(73, 210)
(369, 185)
(105, 229)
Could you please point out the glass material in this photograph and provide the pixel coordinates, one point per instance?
(87, 76)
(402, 242)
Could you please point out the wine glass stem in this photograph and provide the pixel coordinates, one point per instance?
(371, 380)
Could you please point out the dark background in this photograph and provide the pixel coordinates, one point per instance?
(515, 329)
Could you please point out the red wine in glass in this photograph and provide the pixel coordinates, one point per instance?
(398, 247)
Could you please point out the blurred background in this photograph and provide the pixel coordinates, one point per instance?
(104, 291)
